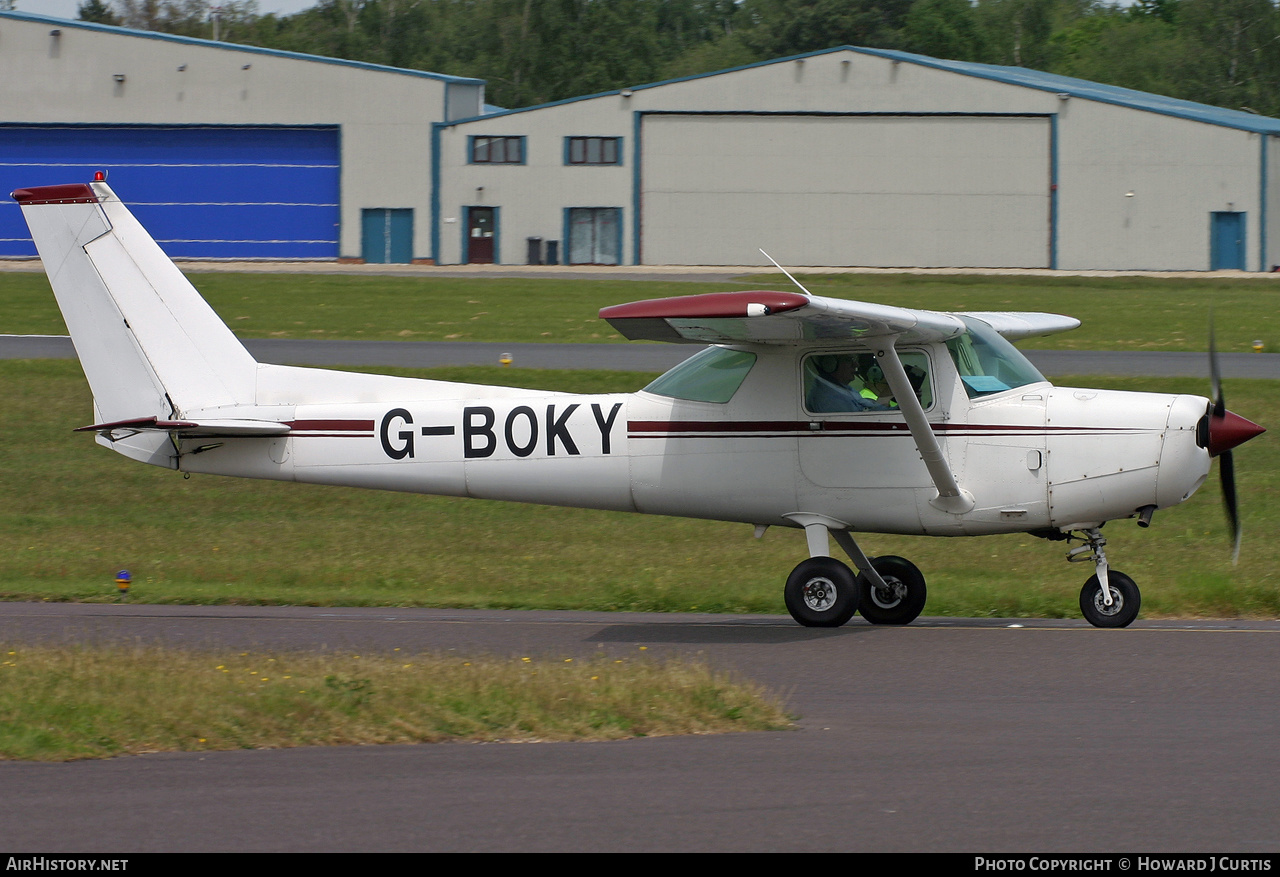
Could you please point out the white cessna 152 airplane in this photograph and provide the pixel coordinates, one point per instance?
(833, 416)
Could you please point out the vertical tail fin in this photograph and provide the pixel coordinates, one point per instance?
(148, 343)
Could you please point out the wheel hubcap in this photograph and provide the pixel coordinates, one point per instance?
(819, 594)
(890, 597)
(1099, 604)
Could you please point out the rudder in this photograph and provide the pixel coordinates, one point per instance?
(148, 343)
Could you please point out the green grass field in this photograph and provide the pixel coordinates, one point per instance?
(1127, 313)
(61, 704)
(75, 513)
(72, 514)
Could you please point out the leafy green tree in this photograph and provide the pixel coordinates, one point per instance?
(1165, 10)
(97, 12)
(787, 27)
(944, 29)
(1115, 46)
(1233, 53)
(226, 20)
(1018, 32)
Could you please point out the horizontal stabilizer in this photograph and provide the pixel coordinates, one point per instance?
(202, 428)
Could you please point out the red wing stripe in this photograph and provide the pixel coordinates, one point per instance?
(708, 305)
(68, 193)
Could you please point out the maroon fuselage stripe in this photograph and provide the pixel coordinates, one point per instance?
(331, 425)
(645, 428)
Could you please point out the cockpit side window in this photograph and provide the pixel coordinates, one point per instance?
(841, 382)
(988, 363)
(712, 375)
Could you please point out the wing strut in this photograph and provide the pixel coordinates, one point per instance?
(951, 496)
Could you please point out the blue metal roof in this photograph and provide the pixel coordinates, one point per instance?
(234, 47)
(1081, 88)
(1039, 80)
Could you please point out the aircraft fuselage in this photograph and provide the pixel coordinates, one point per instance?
(1035, 457)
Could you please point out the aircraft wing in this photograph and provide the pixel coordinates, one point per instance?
(762, 317)
(1016, 325)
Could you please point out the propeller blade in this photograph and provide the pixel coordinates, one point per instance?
(1215, 375)
(1227, 472)
(1225, 430)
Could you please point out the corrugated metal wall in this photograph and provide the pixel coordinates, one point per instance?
(881, 190)
(216, 192)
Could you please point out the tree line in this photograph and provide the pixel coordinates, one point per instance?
(1221, 52)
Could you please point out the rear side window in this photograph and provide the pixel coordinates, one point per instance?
(712, 375)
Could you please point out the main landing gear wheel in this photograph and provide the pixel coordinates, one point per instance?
(1125, 601)
(904, 598)
(821, 592)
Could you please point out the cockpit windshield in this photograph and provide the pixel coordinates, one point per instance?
(988, 363)
(712, 375)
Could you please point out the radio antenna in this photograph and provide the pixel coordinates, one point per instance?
(786, 272)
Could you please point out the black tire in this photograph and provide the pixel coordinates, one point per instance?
(906, 601)
(1126, 601)
(821, 592)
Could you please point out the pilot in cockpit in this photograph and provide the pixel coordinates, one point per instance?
(855, 382)
(876, 386)
(831, 390)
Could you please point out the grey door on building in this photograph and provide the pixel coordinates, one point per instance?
(595, 235)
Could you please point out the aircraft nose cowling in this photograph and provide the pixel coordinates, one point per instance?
(1229, 431)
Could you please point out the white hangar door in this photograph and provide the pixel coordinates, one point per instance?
(873, 190)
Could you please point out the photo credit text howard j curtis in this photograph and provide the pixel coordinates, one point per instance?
(1142, 864)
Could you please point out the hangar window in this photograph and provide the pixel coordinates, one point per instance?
(593, 150)
(497, 150)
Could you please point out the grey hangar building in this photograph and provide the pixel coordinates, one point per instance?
(843, 157)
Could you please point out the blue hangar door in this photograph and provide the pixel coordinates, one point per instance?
(204, 192)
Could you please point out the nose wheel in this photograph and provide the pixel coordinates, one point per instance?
(1118, 605)
(1126, 600)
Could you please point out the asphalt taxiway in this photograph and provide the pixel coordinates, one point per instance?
(948, 735)
(643, 357)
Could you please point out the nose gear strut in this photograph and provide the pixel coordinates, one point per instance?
(1093, 549)
(1109, 598)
